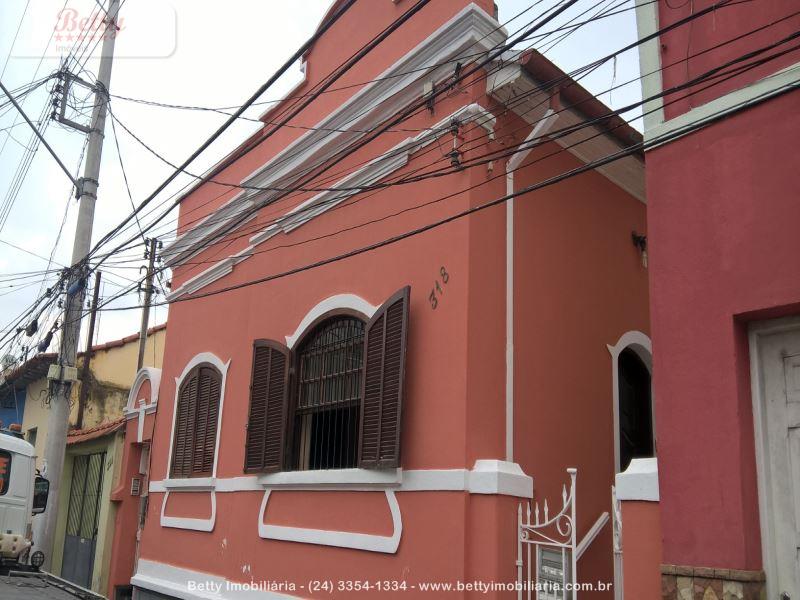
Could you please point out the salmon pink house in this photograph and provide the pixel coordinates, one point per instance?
(372, 367)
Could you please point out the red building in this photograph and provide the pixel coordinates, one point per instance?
(344, 402)
(723, 216)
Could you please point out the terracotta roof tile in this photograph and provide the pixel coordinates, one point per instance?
(76, 436)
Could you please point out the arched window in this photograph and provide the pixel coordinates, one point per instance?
(635, 409)
(327, 399)
(333, 401)
(196, 417)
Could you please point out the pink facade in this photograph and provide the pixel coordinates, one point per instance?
(512, 311)
(722, 216)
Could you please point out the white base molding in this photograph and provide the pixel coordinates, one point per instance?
(489, 476)
(341, 539)
(196, 585)
(639, 481)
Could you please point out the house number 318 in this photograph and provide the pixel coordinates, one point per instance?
(438, 290)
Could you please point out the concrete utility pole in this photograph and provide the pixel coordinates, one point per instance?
(87, 355)
(64, 374)
(148, 294)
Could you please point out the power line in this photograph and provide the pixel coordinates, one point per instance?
(480, 161)
(589, 65)
(298, 53)
(600, 61)
(589, 166)
(404, 114)
(635, 148)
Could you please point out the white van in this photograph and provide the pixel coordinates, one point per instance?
(22, 494)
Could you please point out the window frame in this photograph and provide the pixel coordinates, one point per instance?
(208, 359)
(391, 367)
(294, 383)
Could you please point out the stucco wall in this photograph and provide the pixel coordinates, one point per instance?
(723, 233)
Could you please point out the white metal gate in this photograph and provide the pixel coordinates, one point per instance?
(551, 542)
(616, 511)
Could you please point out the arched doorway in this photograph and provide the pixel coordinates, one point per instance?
(634, 418)
(635, 409)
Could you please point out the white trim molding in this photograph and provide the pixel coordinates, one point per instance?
(339, 301)
(488, 476)
(193, 484)
(650, 62)
(537, 132)
(471, 30)
(655, 122)
(641, 344)
(499, 477)
(754, 93)
(191, 523)
(374, 171)
(341, 539)
(332, 477)
(513, 86)
(145, 374)
(639, 481)
(199, 359)
(137, 408)
(177, 582)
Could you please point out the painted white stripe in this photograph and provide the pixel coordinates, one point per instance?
(183, 583)
(341, 539)
(755, 93)
(486, 477)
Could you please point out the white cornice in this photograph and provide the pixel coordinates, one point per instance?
(468, 32)
(372, 172)
(514, 87)
(375, 170)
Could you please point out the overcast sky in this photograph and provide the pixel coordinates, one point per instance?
(187, 52)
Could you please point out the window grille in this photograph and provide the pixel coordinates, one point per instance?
(328, 400)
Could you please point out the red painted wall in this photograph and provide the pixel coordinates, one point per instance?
(717, 38)
(641, 526)
(580, 286)
(723, 236)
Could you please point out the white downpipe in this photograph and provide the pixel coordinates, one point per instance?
(541, 128)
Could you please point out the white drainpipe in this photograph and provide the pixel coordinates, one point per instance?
(541, 129)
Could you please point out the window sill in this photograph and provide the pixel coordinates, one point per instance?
(355, 478)
(190, 483)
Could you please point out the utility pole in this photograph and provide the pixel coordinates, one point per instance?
(64, 374)
(148, 294)
(87, 355)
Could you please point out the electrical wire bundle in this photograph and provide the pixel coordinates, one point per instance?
(320, 176)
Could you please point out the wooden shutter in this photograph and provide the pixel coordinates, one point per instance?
(184, 431)
(382, 383)
(196, 420)
(266, 424)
